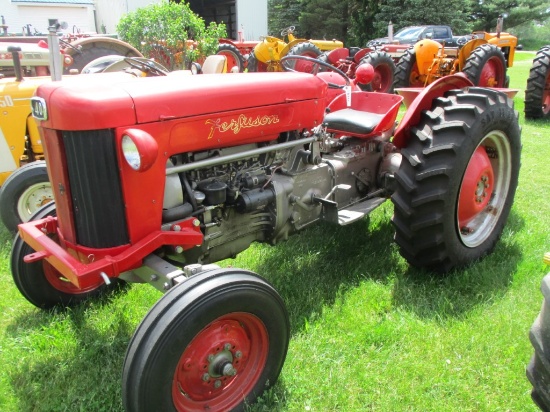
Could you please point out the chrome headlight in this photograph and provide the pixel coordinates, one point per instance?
(139, 148)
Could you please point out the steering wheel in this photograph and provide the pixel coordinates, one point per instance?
(461, 41)
(146, 66)
(288, 30)
(314, 64)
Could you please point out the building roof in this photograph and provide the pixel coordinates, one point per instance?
(90, 2)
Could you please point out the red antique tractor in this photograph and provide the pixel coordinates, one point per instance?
(348, 59)
(193, 171)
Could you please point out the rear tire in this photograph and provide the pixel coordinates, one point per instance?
(233, 56)
(303, 49)
(538, 370)
(406, 71)
(457, 179)
(91, 50)
(486, 66)
(537, 93)
(384, 69)
(40, 283)
(214, 342)
(23, 193)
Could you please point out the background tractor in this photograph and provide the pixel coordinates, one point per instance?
(347, 60)
(538, 370)
(483, 59)
(248, 158)
(537, 93)
(267, 55)
(76, 51)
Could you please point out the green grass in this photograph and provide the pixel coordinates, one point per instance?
(369, 333)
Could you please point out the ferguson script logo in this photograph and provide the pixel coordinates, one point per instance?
(241, 122)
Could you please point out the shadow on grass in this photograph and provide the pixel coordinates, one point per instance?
(455, 294)
(78, 365)
(310, 271)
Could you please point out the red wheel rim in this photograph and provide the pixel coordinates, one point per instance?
(492, 74)
(383, 79)
(232, 60)
(222, 364)
(303, 65)
(62, 284)
(484, 189)
(477, 187)
(546, 96)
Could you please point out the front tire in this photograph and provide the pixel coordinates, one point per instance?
(214, 342)
(486, 66)
(39, 282)
(457, 179)
(537, 93)
(23, 193)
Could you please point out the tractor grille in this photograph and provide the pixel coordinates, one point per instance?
(94, 180)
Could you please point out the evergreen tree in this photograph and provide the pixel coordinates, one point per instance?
(282, 14)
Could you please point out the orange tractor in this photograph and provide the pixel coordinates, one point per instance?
(483, 59)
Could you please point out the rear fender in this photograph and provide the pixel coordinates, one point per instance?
(337, 54)
(467, 49)
(88, 42)
(426, 51)
(424, 102)
(290, 45)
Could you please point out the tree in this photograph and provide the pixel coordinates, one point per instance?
(516, 12)
(324, 19)
(282, 14)
(362, 20)
(402, 13)
(170, 32)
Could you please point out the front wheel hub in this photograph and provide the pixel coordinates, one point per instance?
(220, 364)
(477, 187)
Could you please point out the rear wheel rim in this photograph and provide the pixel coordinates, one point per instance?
(415, 78)
(222, 364)
(484, 189)
(546, 96)
(232, 60)
(383, 78)
(305, 66)
(492, 74)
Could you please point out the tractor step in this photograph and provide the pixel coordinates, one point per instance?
(358, 210)
(350, 214)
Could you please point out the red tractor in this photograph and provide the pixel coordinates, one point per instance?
(348, 59)
(156, 180)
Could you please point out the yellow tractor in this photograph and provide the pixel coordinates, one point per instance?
(267, 55)
(24, 183)
(21, 153)
(483, 59)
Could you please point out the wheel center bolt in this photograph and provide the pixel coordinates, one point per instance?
(229, 370)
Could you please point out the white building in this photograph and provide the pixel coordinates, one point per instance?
(100, 16)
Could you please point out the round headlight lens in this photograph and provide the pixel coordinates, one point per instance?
(131, 152)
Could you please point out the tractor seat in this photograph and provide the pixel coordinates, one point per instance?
(352, 121)
(215, 63)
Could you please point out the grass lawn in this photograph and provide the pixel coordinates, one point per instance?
(369, 333)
